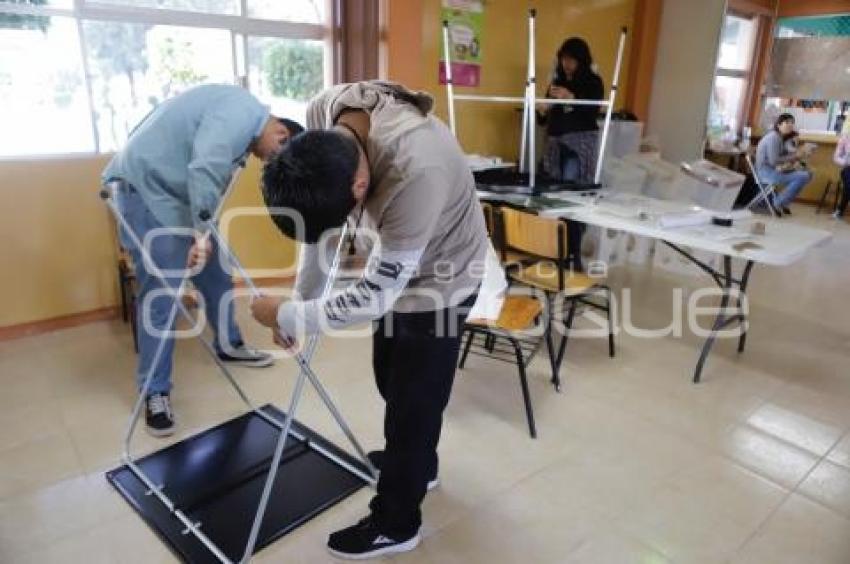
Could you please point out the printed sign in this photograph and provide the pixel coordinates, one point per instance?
(466, 22)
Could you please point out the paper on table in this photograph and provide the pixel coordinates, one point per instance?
(717, 233)
(683, 219)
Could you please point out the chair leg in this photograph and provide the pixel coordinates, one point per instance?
(466, 347)
(550, 349)
(839, 190)
(122, 287)
(526, 396)
(610, 310)
(568, 325)
(133, 327)
(823, 196)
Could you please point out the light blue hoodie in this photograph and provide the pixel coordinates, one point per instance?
(181, 156)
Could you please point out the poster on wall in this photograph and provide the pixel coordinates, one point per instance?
(466, 22)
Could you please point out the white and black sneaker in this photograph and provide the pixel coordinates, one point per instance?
(377, 459)
(159, 419)
(364, 540)
(246, 356)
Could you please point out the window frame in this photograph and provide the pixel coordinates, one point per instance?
(239, 25)
(747, 74)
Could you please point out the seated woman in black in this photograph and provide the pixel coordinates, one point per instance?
(571, 131)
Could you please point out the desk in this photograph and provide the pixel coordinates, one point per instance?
(782, 244)
(731, 155)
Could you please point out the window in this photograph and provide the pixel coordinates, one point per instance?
(732, 79)
(48, 3)
(88, 71)
(134, 67)
(285, 73)
(45, 106)
(207, 6)
(307, 11)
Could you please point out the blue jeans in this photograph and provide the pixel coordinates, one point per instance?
(792, 182)
(169, 252)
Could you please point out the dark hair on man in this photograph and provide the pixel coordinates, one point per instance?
(292, 126)
(782, 119)
(312, 175)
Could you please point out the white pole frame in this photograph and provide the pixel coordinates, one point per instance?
(450, 91)
(305, 373)
(612, 98)
(529, 101)
(530, 96)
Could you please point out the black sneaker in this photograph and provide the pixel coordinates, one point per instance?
(377, 458)
(158, 415)
(364, 540)
(786, 210)
(246, 356)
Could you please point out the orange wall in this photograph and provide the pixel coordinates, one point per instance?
(813, 7)
(753, 6)
(642, 55)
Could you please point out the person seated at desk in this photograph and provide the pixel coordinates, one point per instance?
(842, 159)
(777, 164)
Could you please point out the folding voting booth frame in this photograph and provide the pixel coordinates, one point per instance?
(530, 99)
(199, 494)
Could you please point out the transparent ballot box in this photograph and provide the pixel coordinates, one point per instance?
(709, 185)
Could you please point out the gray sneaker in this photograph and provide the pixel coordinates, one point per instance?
(246, 356)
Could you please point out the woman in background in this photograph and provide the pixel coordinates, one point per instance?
(572, 134)
(571, 131)
(776, 164)
(842, 159)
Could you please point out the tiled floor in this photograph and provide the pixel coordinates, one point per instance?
(633, 462)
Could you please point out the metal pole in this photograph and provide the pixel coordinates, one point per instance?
(524, 131)
(305, 373)
(612, 98)
(531, 94)
(107, 195)
(155, 489)
(520, 99)
(313, 341)
(449, 86)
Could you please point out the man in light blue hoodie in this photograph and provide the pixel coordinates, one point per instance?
(776, 164)
(177, 162)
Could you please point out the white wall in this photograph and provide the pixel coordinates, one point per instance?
(688, 40)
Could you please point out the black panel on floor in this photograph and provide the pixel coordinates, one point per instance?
(217, 476)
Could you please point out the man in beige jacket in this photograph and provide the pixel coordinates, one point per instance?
(374, 155)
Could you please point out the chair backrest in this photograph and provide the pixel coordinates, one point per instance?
(752, 168)
(487, 210)
(532, 234)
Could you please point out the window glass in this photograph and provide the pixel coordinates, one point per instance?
(44, 3)
(726, 103)
(736, 43)
(207, 6)
(45, 106)
(304, 11)
(286, 73)
(135, 67)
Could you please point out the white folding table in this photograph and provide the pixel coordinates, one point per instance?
(782, 244)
